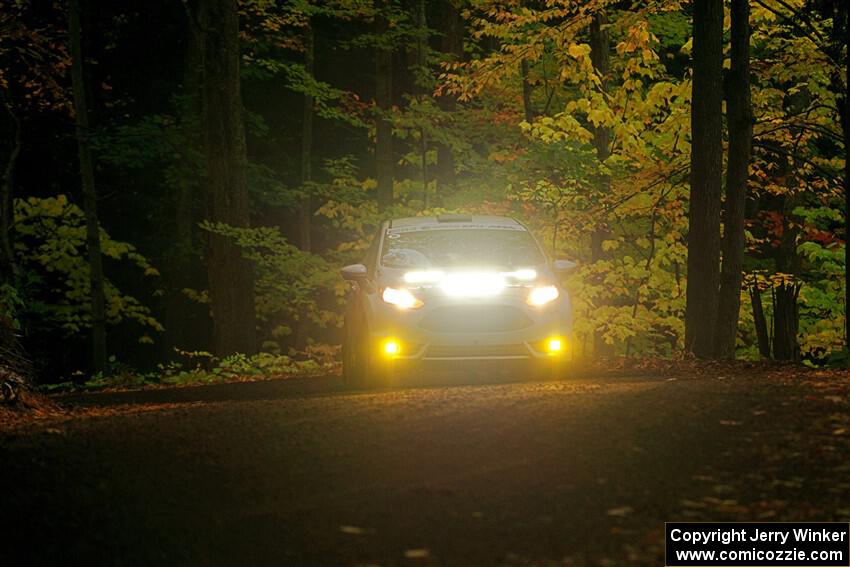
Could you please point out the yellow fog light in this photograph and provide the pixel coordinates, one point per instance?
(554, 346)
(392, 347)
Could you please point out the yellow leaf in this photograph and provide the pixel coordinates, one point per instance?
(352, 530)
(578, 50)
(596, 116)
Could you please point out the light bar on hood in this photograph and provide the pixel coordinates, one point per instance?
(525, 274)
(437, 276)
(424, 276)
(472, 284)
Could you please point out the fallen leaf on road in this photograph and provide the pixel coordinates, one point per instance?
(839, 431)
(353, 530)
(417, 553)
(729, 422)
(621, 512)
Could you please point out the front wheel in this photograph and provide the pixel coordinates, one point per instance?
(549, 369)
(362, 366)
(352, 358)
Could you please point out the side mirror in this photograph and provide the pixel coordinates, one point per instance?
(354, 272)
(564, 266)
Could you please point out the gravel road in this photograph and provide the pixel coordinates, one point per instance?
(299, 472)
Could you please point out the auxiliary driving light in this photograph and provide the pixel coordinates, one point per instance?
(392, 348)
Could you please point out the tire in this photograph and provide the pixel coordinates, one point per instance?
(548, 370)
(362, 367)
(352, 353)
(379, 373)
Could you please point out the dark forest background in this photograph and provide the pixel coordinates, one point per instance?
(183, 180)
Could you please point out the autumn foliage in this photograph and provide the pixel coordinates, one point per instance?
(574, 116)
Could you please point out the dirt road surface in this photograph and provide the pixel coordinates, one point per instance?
(299, 472)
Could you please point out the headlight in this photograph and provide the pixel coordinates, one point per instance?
(540, 296)
(401, 298)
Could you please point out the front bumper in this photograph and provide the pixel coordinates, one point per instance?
(503, 328)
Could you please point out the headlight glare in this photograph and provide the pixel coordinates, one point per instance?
(542, 295)
(401, 298)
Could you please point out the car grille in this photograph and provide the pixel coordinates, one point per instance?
(476, 351)
(475, 319)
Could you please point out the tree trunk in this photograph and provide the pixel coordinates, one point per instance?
(706, 178)
(785, 308)
(81, 111)
(740, 125)
(420, 68)
(305, 209)
(383, 125)
(10, 351)
(846, 128)
(786, 322)
(226, 184)
(760, 322)
(178, 273)
(599, 54)
(527, 89)
(180, 258)
(845, 122)
(7, 186)
(450, 30)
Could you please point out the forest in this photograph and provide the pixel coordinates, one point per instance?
(182, 181)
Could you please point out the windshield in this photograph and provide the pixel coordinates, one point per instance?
(416, 247)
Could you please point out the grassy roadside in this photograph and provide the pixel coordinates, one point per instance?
(197, 368)
(44, 403)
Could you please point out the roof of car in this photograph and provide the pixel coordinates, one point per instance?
(482, 221)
